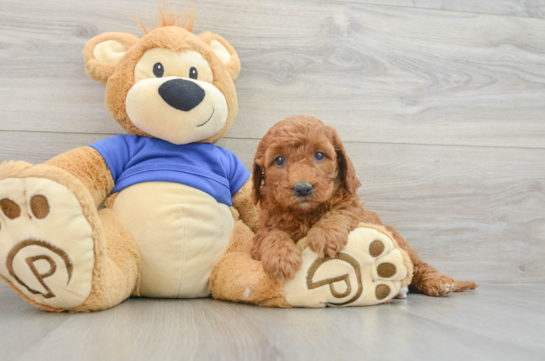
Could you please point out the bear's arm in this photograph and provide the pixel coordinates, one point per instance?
(248, 211)
(87, 165)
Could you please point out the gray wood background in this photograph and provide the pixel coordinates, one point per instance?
(441, 105)
(495, 323)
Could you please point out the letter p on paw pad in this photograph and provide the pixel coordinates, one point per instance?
(370, 270)
(46, 244)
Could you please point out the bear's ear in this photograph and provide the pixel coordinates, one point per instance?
(224, 51)
(103, 52)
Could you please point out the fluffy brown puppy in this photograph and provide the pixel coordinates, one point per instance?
(306, 186)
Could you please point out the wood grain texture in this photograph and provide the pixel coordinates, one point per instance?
(383, 74)
(524, 8)
(475, 213)
(442, 111)
(441, 107)
(496, 322)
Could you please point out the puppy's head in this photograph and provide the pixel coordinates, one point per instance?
(300, 163)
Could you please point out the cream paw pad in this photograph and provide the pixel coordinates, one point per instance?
(370, 270)
(46, 244)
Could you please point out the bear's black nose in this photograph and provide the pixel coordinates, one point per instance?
(181, 94)
(302, 189)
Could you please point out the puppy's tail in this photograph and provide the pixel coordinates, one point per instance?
(465, 285)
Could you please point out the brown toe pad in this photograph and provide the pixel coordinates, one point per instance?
(376, 248)
(10, 208)
(386, 270)
(382, 291)
(39, 206)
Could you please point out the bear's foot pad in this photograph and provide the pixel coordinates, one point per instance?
(46, 244)
(371, 269)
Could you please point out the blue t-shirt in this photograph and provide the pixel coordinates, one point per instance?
(133, 159)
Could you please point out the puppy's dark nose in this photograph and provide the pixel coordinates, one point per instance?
(302, 189)
(181, 94)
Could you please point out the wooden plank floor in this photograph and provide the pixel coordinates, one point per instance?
(441, 105)
(496, 322)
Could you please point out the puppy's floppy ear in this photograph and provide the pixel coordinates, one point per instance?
(347, 172)
(224, 51)
(257, 175)
(103, 52)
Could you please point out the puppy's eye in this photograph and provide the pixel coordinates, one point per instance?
(193, 73)
(319, 156)
(158, 70)
(280, 161)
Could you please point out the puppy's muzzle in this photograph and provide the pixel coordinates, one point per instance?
(181, 94)
(303, 189)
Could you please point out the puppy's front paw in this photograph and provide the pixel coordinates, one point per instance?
(325, 241)
(282, 264)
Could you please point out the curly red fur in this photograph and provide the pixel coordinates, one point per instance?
(325, 217)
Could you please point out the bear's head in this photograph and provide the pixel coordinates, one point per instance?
(170, 84)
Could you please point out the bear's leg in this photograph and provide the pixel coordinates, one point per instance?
(56, 250)
(372, 269)
(120, 273)
(238, 277)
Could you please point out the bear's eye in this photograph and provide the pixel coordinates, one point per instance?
(319, 156)
(280, 161)
(158, 70)
(193, 73)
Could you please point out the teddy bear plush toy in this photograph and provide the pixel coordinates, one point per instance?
(162, 212)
